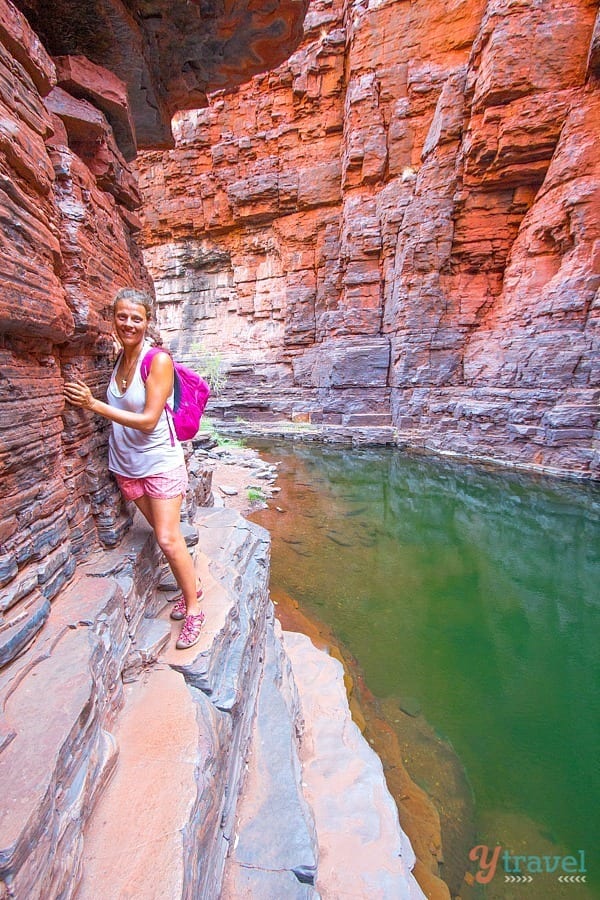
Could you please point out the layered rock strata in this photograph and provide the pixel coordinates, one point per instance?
(69, 206)
(183, 764)
(122, 772)
(59, 703)
(400, 224)
(68, 219)
(76, 694)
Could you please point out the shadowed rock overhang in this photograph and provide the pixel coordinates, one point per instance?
(170, 53)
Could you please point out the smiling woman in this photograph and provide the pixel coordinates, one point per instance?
(144, 455)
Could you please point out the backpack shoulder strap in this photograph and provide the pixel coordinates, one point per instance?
(144, 370)
(147, 360)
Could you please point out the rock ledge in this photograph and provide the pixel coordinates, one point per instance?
(157, 772)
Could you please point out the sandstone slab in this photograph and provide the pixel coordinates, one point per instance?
(135, 841)
(363, 851)
(83, 78)
(274, 830)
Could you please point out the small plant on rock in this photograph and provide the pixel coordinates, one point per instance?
(210, 365)
(220, 440)
(256, 495)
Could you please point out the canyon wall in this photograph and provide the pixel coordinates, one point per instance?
(68, 204)
(83, 619)
(81, 87)
(399, 225)
(94, 709)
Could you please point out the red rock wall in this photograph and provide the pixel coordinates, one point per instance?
(400, 221)
(66, 224)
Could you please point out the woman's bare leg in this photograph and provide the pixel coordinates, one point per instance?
(143, 504)
(163, 516)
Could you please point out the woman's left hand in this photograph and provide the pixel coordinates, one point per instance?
(79, 394)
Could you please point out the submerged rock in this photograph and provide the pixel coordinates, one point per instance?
(410, 706)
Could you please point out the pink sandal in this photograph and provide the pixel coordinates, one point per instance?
(179, 609)
(190, 633)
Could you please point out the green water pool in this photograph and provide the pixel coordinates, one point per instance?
(470, 599)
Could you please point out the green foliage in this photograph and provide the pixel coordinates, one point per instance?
(223, 441)
(220, 440)
(255, 495)
(210, 365)
(294, 427)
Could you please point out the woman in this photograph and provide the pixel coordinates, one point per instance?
(144, 454)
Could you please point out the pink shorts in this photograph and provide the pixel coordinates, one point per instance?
(163, 486)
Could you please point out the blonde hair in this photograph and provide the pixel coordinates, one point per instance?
(141, 298)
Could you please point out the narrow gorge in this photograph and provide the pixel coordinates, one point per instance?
(399, 227)
(380, 220)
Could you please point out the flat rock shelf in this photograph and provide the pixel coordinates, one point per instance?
(136, 770)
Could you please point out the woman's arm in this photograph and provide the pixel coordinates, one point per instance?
(159, 386)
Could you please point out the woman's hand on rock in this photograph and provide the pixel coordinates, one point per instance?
(78, 393)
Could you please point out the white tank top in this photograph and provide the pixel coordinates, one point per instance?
(134, 453)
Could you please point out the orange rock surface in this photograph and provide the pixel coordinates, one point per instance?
(67, 221)
(421, 179)
(69, 217)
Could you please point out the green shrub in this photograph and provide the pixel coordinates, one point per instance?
(220, 440)
(209, 364)
(255, 495)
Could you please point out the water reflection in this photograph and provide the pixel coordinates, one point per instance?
(475, 595)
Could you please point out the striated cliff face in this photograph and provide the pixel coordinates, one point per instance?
(100, 716)
(69, 205)
(100, 694)
(67, 220)
(400, 224)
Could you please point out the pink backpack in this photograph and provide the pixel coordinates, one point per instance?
(190, 394)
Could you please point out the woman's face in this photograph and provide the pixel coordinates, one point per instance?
(131, 322)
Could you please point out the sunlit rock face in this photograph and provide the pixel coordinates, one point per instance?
(69, 221)
(68, 218)
(82, 85)
(400, 221)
